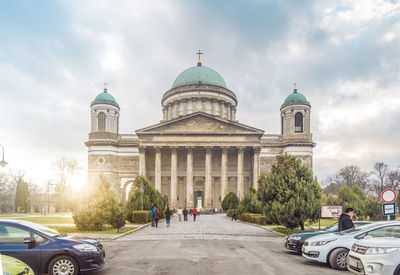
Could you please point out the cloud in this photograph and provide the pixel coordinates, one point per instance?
(56, 56)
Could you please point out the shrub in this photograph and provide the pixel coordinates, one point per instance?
(229, 213)
(230, 201)
(141, 217)
(246, 217)
(98, 207)
(250, 202)
(260, 220)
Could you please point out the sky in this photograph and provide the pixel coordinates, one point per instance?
(56, 55)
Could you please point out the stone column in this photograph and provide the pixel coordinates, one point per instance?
(189, 179)
(207, 191)
(224, 172)
(157, 181)
(240, 181)
(142, 161)
(256, 166)
(174, 178)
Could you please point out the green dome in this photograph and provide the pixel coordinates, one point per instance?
(295, 98)
(199, 75)
(106, 98)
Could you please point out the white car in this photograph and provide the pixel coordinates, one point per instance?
(376, 255)
(333, 248)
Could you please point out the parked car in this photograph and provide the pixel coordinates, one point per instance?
(295, 241)
(47, 251)
(333, 248)
(15, 266)
(376, 255)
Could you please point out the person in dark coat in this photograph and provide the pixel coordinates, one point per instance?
(185, 214)
(168, 216)
(346, 220)
(156, 216)
(234, 214)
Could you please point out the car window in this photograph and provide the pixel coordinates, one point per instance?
(332, 228)
(12, 234)
(388, 231)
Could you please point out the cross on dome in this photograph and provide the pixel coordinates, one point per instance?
(199, 62)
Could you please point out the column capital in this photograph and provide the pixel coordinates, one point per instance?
(241, 149)
(189, 148)
(256, 149)
(158, 148)
(173, 149)
(225, 149)
(209, 149)
(142, 149)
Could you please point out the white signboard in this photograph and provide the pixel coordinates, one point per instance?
(331, 211)
(389, 209)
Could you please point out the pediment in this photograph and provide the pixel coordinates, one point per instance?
(199, 124)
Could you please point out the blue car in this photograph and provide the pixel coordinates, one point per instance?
(48, 252)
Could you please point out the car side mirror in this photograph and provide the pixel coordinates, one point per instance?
(30, 242)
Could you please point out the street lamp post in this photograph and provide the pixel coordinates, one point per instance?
(2, 162)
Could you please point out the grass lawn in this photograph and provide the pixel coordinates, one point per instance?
(324, 222)
(73, 229)
(285, 230)
(48, 219)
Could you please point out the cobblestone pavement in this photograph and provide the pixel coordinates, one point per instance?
(206, 227)
(212, 245)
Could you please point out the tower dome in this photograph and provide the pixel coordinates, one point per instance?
(199, 75)
(106, 98)
(295, 98)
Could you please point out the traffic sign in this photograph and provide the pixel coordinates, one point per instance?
(389, 209)
(388, 196)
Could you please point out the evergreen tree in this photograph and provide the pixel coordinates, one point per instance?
(99, 207)
(230, 201)
(289, 194)
(22, 196)
(151, 197)
(250, 202)
(353, 197)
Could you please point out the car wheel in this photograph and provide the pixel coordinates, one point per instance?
(63, 265)
(338, 259)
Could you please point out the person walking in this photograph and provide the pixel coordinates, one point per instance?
(234, 213)
(194, 212)
(346, 219)
(168, 216)
(185, 214)
(180, 212)
(156, 216)
(152, 216)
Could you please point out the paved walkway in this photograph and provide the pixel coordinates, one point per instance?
(206, 227)
(212, 245)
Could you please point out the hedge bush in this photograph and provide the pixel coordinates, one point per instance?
(229, 213)
(260, 220)
(141, 217)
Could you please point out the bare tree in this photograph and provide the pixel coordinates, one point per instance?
(380, 171)
(64, 168)
(393, 179)
(347, 176)
(48, 189)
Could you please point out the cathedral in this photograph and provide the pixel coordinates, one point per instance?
(199, 151)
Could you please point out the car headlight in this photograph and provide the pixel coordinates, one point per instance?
(295, 238)
(319, 243)
(85, 247)
(381, 250)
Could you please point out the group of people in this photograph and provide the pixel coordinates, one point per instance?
(156, 215)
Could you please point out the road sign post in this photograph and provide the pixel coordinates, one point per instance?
(389, 206)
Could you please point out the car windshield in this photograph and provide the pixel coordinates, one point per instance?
(331, 228)
(43, 229)
(355, 230)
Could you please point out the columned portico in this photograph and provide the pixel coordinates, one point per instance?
(157, 181)
(240, 182)
(224, 172)
(174, 178)
(189, 178)
(207, 191)
(256, 166)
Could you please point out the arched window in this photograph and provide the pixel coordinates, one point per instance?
(101, 122)
(298, 123)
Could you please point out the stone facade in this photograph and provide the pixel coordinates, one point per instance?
(199, 151)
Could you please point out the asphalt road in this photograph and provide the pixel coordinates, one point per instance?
(211, 245)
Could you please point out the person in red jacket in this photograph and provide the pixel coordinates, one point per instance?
(194, 212)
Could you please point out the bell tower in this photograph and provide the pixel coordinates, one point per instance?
(104, 113)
